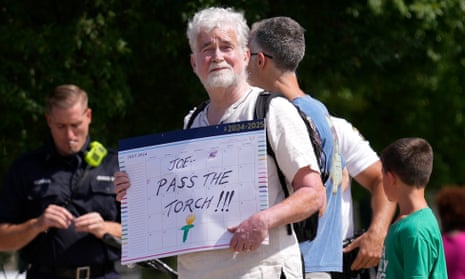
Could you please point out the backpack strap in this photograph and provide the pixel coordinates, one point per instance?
(196, 112)
(261, 109)
(317, 143)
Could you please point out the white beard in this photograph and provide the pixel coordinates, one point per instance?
(221, 79)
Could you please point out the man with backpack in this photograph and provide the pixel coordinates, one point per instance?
(277, 46)
(218, 40)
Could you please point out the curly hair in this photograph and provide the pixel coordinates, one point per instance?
(217, 17)
(450, 201)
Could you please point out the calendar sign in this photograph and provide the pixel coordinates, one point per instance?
(189, 186)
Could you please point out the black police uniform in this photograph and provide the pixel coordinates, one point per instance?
(43, 177)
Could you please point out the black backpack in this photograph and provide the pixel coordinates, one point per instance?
(307, 228)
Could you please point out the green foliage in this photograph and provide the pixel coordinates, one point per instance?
(393, 68)
(46, 43)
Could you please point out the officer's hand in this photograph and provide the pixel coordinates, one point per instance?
(55, 217)
(92, 223)
(121, 183)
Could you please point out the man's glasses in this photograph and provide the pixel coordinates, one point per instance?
(264, 54)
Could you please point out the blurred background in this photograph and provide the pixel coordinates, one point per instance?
(392, 68)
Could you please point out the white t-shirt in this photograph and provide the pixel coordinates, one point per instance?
(288, 137)
(358, 156)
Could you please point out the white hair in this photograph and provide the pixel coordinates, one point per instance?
(214, 17)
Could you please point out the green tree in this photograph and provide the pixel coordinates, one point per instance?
(46, 43)
(393, 68)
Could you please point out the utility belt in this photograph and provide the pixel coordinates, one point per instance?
(79, 272)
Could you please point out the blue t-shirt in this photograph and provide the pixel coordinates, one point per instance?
(324, 253)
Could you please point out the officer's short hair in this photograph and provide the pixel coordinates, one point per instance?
(65, 96)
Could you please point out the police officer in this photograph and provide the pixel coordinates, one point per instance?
(58, 201)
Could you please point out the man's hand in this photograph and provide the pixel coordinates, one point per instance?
(370, 249)
(55, 217)
(249, 234)
(92, 223)
(371, 242)
(121, 183)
